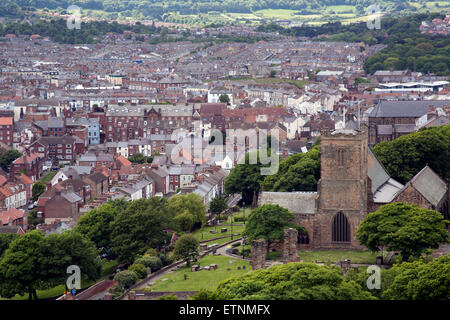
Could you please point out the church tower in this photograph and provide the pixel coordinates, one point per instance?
(342, 189)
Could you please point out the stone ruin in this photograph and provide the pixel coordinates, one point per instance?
(259, 249)
(290, 245)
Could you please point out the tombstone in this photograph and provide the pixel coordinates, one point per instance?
(239, 267)
(203, 246)
(214, 266)
(228, 269)
(243, 267)
(223, 230)
(379, 260)
(206, 268)
(194, 268)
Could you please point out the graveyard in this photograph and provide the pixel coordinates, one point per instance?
(202, 279)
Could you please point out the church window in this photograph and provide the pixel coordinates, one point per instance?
(341, 228)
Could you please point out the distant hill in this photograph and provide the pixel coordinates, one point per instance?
(227, 11)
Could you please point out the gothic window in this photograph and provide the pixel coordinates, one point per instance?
(340, 154)
(341, 228)
(303, 238)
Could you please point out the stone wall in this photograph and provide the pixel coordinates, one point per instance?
(290, 245)
(259, 251)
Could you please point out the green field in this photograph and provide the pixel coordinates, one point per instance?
(204, 233)
(333, 256)
(201, 279)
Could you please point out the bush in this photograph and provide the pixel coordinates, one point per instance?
(154, 263)
(166, 259)
(151, 252)
(126, 278)
(139, 269)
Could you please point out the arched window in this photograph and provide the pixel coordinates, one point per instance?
(303, 238)
(340, 155)
(341, 228)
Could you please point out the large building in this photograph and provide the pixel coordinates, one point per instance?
(392, 119)
(353, 182)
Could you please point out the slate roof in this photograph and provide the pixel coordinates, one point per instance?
(430, 185)
(295, 202)
(403, 109)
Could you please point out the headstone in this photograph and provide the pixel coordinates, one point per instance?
(185, 277)
(239, 267)
(203, 246)
(214, 266)
(223, 230)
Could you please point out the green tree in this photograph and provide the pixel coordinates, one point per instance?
(137, 158)
(292, 281)
(218, 205)
(224, 98)
(405, 156)
(419, 280)
(7, 157)
(96, 225)
(5, 240)
(268, 222)
(299, 172)
(186, 248)
(33, 219)
(245, 178)
(184, 221)
(140, 227)
(154, 263)
(402, 227)
(126, 278)
(139, 269)
(37, 189)
(60, 251)
(20, 270)
(189, 205)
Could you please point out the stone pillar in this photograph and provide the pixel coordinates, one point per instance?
(259, 251)
(290, 245)
(108, 296)
(132, 295)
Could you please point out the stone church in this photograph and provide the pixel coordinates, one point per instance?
(353, 183)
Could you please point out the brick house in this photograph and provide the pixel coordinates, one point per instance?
(98, 182)
(29, 163)
(6, 130)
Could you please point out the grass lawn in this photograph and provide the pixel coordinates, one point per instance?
(201, 279)
(48, 176)
(207, 235)
(336, 255)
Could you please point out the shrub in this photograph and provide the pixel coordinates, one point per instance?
(126, 278)
(139, 269)
(151, 252)
(154, 263)
(166, 259)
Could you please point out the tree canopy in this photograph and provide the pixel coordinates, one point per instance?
(299, 172)
(405, 156)
(7, 157)
(292, 281)
(402, 227)
(268, 222)
(189, 206)
(142, 225)
(186, 248)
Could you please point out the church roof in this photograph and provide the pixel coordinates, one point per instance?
(295, 202)
(430, 185)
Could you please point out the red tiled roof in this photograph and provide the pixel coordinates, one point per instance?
(12, 214)
(4, 121)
